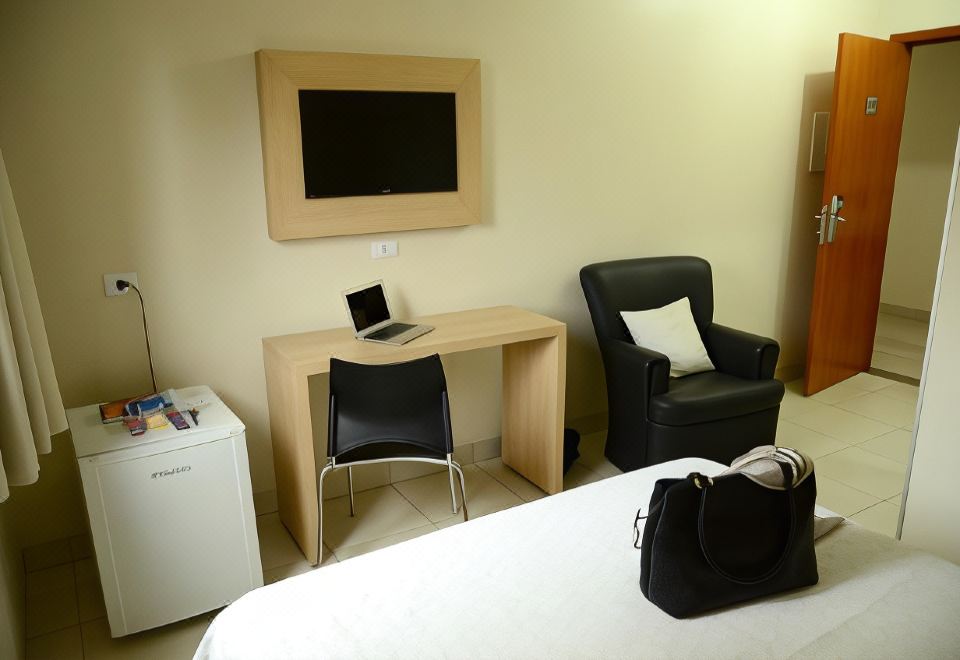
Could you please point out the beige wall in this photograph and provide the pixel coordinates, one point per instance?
(923, 177)
(610, 130)
(133, 144)
(931, 507)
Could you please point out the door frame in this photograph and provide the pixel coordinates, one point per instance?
(910, 40)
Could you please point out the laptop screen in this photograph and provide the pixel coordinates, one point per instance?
(368, 307)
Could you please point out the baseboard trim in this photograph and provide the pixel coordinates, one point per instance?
(789, 372)
(889, 375)
(905, 312)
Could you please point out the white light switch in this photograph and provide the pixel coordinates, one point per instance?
(383, 249)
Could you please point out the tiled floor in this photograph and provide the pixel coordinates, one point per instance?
(899, 345)
(65, 611)
(858, 433)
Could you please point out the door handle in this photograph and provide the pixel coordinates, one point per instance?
(822, 233)
(829, 217)
(832, 227)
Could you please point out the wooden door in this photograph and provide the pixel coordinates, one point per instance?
(869, 94)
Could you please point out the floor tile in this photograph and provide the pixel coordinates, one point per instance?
(357, 549)
(297, 568)
(380, 512)
(579, 476)
(591, 455)
(897, 364)
(894, 445)
(66, 644)
(431, 495)
(51, 600)
(365, 477)
(842, 425)
(882, 408)
(81, 547)
(506, 476)
(897, 501)
(902, 329)
(89, 592)
(902, 392)
(177, 640)
(810, 442)
(290, 570)
(55, 553)
(881, 518)
(794, 404)
(868, 382)
(865, 471)
(265, 502)
(899, 348)
(277, 547)
(842, 391)
(841, 498)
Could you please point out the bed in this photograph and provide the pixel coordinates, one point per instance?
(558, 578)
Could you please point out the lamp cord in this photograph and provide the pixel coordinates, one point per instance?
(146, 336)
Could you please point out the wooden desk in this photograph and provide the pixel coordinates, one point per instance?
(534, 382)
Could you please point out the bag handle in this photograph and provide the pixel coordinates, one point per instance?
(703, 484)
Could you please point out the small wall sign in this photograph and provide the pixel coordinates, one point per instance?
(871, 105)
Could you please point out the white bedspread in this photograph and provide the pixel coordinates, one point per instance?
(559, 577)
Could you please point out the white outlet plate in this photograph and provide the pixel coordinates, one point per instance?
(110, 283)
(383, 249)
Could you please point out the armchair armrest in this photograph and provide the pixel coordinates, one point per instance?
(742, 354)
(634, 372)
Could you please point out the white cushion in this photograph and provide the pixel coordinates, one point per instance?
(672, 331)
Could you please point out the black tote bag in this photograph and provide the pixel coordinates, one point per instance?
(711, 542)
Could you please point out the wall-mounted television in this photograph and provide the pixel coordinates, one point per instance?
(355, 143)
(358, 143)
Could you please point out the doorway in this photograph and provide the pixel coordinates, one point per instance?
(927, 145)
(859, 430)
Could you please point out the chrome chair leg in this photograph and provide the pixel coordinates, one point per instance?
(463, 489)
(453, 495)
(353, 511)
(323, 473)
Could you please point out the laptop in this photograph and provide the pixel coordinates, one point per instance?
(370, 314)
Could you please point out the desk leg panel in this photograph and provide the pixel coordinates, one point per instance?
(291, 433)
(534, 387)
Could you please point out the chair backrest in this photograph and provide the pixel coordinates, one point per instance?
(638, 284)
(401, 404)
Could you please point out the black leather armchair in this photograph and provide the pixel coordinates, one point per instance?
(717, 415)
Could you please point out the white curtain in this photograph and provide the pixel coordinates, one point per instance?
(30, 406)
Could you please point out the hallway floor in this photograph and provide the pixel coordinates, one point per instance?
(899, 345)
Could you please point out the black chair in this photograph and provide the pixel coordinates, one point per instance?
(717, 415)
(388, 412)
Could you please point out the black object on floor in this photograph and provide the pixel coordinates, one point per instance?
(571, 451)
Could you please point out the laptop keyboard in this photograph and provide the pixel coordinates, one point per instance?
(390, 331)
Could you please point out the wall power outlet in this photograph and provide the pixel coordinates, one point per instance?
(110, 283)
(383, 249)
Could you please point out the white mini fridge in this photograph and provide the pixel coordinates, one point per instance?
(171, 513)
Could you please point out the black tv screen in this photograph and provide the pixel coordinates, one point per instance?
(377, 143)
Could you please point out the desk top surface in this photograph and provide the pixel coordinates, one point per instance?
(453, 332)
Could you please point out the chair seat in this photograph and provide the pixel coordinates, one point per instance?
(710, 396)
(387, 449)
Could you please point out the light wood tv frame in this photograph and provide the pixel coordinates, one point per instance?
(281, 74)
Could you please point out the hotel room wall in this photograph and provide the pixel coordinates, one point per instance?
(648, 128)
(923, 177)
